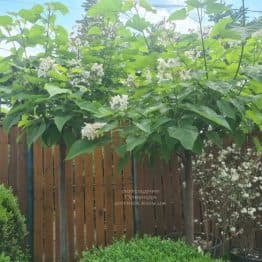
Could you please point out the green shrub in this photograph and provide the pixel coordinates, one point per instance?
(147, 249)
(12, 227)
(4, 258)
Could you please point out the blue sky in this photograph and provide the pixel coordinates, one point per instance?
(76, 10)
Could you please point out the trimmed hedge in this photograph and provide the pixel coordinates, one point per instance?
(12, 227)
(147, 249)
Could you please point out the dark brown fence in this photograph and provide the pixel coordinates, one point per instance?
(101, 203)
(13, 165)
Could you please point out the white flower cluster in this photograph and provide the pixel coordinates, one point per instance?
(148, 76)
(97, 72)
(119, 102)
(92, 131)
(81, 76)
(129, 81)
(233, 43)
(185, 75)
(230, 185)
(46, 64)
(165, 69)
(192, 54)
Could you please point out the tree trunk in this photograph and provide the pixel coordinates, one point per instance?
(62, 207)
(188, 198)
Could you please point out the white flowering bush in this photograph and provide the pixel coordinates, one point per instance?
(229, 185)
(92, 131)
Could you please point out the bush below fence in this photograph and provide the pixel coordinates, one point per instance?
(101, 204)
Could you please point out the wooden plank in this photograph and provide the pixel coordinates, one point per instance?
(118, 197)
(159, 200)
(3, 157)
(128, 209)
(108, 176)
(99, 197)
(22, 175)
(37, 203)
(48, 205)
(79, 205)
(169, 199)
(56, 163)
(140, 186)
(146, 195)
(12, 169)
(177, 195)
(164, 196)
(70, 208)
(89, 202)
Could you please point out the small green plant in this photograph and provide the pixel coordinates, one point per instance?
(146, 249)
(4, 258)
(12, 227)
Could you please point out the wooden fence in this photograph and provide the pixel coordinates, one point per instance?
(101, 204)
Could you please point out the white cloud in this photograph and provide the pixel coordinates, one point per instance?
(182, 26)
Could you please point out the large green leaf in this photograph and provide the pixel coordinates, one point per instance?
(61, 120)
(35, 131)
(178, 15)
(10, 120)
(87, 106)
(138, 23)
(58, 7)
(5, 20)
(133, 141)
(105, 8)
(84, 146)
(143, 125)
(146, 6)
(33, 14)
(55, 90)
(186, 135)
(226, 109)
(207, 113)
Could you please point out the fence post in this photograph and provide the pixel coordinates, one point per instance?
(30, 199)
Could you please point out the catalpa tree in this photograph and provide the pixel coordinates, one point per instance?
(164, 92)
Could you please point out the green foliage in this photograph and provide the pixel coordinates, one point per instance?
(146, 249)
(182, 88)
(12, 228)
(4, 258)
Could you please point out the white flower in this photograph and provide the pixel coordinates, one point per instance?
(245, 195)
(190, 54)
(148, 76)
(173, 62)
(243, 210)
(46, 64)
(119, 102)
(232, 229)
(234, 177)
(130, 81)
(199, 249)
(91, 131)
(185, 75)
(251, 211)
(97, 72)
